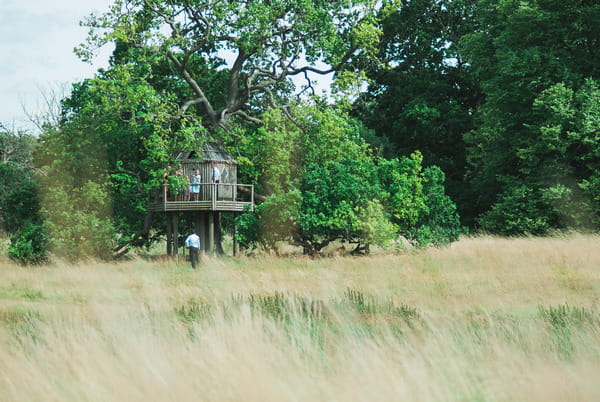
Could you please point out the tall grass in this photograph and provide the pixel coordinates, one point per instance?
(484, 319)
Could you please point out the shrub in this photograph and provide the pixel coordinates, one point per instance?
(30, 245)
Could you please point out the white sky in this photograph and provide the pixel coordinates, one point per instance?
(37, 38)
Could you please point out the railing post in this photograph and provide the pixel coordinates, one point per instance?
(214, 195)
(252, 196)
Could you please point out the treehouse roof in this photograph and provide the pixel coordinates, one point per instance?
(211, 152)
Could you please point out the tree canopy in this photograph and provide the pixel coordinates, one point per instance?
(258, 44)
(483, 109)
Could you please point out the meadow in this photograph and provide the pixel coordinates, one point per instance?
(485, 319)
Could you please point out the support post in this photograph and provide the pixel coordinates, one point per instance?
(236, 246)
(211, 233)
(198, 223)
(169, 235)
(202, 231)
(175, 235)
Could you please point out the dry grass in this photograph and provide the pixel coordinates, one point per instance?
(494, 319)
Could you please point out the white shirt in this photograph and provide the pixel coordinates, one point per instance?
(193, 241)
(216, 175)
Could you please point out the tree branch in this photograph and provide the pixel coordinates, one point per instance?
(131, 173)
(195, 87)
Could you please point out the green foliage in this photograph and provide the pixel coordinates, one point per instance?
(560, 164)
(373, 224)
(439, 224)
(421, 94)
(534, 151)
(320, 180)
(564, 316)
(365, 315)
(324, 185)
(21, 206)
(194, 311)
(30, 245)
(518, 210)
(272, 41)
(104, 161)
(79, 220)
(271, 222)
(502, 95)
(563, 321)
(372, 306)
(403, 186)
(19, 201)
(23, 324)
(416, 198)
(333, 194)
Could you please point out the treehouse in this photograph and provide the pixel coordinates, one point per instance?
(175, 199)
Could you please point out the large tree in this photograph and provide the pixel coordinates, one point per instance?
(534, 152)
(260, 44)
(18, 198)
(103, 160)
(19, 203)
(422, 95)
(324, 184)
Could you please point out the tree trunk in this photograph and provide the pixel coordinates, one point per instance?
(218, 235)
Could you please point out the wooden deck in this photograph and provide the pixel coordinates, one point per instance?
(213, 197)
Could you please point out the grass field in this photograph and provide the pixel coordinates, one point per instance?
(485, 319)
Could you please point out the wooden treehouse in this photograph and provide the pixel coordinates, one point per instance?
(212, 199)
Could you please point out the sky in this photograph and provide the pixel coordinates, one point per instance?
(37, 38)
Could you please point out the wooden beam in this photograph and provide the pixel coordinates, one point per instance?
(211, 233)
(175, 235)
(236, 246)
(169, 234)
(203, 232)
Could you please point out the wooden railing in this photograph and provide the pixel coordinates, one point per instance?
(212, 197)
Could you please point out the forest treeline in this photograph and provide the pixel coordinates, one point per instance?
(444, 116)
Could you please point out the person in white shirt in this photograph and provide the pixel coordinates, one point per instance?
(195, 186)
(216, 174)
(192, 242)
(216, 178)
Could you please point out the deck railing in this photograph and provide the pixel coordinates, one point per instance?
(212, 197)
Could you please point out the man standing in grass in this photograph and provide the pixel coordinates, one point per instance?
(193, 243)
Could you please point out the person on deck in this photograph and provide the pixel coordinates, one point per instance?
(195, 186)
(181, 185)
(192, 242)
(216, 177)
(216, 174)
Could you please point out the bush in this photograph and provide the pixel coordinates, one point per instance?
(439, 224)
(30, 245)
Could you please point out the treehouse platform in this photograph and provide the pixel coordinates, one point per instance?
(213, 197)
(214, 171)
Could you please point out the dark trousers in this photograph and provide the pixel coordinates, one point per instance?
(194, 256)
